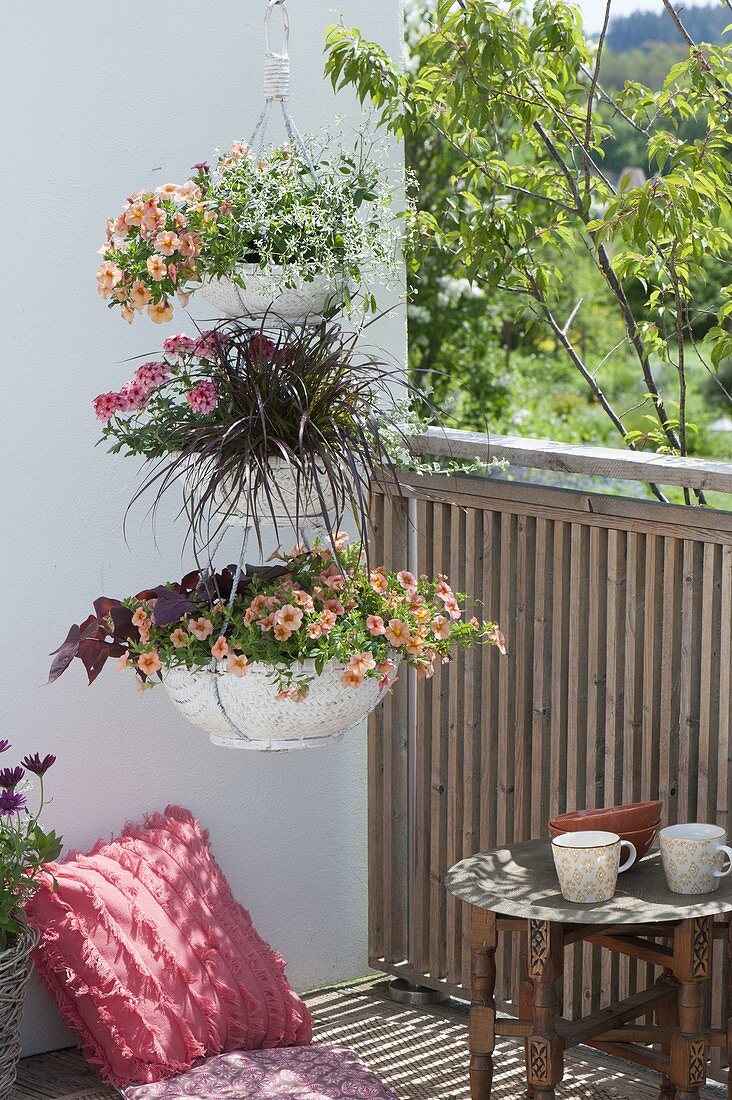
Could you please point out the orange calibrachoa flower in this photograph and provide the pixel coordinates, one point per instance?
(287, 619)
(237, 664)
(149, 662)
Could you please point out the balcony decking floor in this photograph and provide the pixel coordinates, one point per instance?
(420, 1052)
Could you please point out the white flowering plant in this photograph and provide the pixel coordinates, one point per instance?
(294, 216)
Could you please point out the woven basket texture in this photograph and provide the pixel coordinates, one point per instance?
(246, 707)
(261, 296)
(14, 973)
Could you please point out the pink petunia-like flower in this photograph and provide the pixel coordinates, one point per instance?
(361, 663)
(441, 626)
(108, 277)
(237, 664)
(139, 295)
(297, 693)
(220, 648)
(149, 663)
(375, 625)
(201, 628)
(351, 678)
(179, 638)
(378, 582)
(203, 398)
(168, 190)
(167, 242)
(189, 245)
(152, 374)
(407, 580)
(334, 605)
(160, 312)
(289, 617)
(453, 608)
(397, 632)
(106, 405)
(133, 215)
(327, 621)
(443, 590)
(304, 600)
(157, 268)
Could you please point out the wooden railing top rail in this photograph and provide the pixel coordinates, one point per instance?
(545, 454)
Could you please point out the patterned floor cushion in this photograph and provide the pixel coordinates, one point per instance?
(290, 1073)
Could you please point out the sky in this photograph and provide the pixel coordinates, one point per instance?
(594, 10)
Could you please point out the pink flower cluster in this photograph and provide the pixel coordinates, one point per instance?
(181, 347)
(204, 397)
(133, 395)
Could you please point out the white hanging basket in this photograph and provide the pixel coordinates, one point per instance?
(289, 501)
(275, 295)
(242, 712)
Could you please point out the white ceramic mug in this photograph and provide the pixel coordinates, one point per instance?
(588, 864)
(693, 856)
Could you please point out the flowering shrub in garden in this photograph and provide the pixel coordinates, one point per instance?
(24, 846)
(315, 605)
(267, 211)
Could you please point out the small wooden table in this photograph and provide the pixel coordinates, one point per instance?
(515, 889)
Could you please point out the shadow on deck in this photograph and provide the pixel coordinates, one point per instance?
(420, 1052)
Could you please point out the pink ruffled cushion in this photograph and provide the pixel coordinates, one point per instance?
(151, 960)
(304, 1073)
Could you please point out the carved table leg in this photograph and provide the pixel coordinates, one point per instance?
(667, 1015)
(692, 951)
(546, 1050)
(526, 997)
(482, 1004)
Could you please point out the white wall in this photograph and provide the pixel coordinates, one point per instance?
(99, 99)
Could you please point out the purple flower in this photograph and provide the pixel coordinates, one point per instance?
(10, 778)
(11, 803)
(4, 745)
(36, 765)
(201, 166)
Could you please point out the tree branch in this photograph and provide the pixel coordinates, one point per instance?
(591, 93)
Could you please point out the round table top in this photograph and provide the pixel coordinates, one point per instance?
(520, 881)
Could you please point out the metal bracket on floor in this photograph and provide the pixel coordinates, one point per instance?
(405, 993)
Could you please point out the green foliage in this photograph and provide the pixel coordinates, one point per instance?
(25, 847)
(507, 110)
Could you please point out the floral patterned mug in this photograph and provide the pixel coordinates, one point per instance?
(588, 864)
(693, 856)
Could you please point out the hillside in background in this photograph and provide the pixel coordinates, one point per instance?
(643, 30)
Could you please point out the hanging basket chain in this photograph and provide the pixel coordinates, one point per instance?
(277, 89)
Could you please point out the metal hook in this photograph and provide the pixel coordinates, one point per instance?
(285, 27)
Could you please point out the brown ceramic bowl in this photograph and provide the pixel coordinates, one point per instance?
(616, 819)
(642, 839)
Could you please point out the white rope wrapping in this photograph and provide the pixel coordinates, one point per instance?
(277, 87)
(276, 76)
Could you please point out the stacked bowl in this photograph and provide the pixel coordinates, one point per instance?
(637, 822)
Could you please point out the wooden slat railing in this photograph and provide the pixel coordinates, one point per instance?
(617, 687)
(568, 458)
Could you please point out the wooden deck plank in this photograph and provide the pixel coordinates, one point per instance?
(420, 1052)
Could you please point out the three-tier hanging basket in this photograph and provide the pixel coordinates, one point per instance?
(245, 713)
